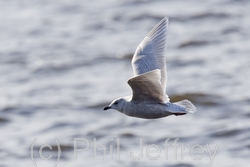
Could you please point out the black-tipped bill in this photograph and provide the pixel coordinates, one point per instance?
(106, 108)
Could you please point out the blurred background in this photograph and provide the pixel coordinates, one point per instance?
(62, 61)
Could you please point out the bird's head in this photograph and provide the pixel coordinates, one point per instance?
(117, 104)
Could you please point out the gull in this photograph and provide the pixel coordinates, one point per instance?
(149, 100)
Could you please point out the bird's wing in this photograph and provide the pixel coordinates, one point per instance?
(147, 87)
(149, 55)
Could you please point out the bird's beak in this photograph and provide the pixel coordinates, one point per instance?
(106, 108)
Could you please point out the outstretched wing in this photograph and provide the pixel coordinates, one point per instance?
(149, 55)
(147, 87)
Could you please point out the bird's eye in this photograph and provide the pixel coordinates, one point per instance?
(115, 103)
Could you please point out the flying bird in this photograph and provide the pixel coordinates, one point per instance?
(148, 84)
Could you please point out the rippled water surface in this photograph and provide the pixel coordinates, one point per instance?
(62, 61)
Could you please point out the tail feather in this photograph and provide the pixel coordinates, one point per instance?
(189, 107)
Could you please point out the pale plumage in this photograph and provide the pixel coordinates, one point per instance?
(149, 99)
(149, 55)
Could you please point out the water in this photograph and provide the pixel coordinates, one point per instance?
(62, 61)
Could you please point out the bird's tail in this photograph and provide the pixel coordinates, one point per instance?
(189, 107)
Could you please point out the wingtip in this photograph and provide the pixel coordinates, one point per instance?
(160, 28)
(166, 19)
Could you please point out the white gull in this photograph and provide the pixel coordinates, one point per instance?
(149, 99)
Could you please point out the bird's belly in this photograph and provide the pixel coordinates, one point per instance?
(150, 111)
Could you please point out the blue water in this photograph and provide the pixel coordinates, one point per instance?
(62, 61)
